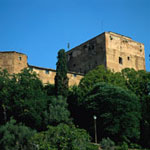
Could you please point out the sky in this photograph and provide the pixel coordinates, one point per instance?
(39, 28)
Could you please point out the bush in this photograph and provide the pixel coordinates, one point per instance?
(62, 137)
(124, 146)
(135, 146)
(15, 136)
(92, 147)
(107, 144)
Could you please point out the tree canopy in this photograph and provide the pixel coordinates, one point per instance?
(117, 111)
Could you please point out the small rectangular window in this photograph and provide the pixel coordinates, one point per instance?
(47, 71)
(120, 60)
(74, 75)
(20, 58)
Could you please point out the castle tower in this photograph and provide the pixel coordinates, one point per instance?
(13, 61)
(112, 50)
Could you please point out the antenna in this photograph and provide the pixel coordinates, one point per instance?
(68, 45)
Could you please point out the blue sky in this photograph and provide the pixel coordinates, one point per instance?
(39, 28)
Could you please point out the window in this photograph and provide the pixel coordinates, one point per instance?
(111, 38)
(74, 75)
(95, 62)
(85, 46)
(47, 71)
(120, 60)
(74, 65)
(20, 58)
(128, 58)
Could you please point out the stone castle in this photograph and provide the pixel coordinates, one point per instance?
(112, 50)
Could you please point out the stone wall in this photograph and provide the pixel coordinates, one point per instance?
(88, 55)
(48, 75)
(123, 52)
(112, 50)
(13, 61)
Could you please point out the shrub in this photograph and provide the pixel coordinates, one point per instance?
(107, 144)
(124, 146)
(63, 137)
(15, 136)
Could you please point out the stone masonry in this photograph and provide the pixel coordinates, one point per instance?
(112, 50)
(14, 62)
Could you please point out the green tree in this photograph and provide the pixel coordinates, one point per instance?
(4, 81)
(117, 111)
(58, 110)
(62, 137)
(24, 99)
(101, 74)
(61, 79)
(138, 82)
(15, 136)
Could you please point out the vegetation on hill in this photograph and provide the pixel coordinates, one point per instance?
(34, 116)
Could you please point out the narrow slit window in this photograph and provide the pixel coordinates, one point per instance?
(120, 60)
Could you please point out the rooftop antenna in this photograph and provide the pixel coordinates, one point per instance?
(68, 45)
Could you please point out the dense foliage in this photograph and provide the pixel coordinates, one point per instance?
(133, 82)
(61, 79)
(117, 111)
(44, 117)
(15, 136)
(62, 137)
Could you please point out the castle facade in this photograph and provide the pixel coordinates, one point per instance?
(14, 62)
(112, 50)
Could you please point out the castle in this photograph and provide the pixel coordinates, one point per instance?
(112, 50)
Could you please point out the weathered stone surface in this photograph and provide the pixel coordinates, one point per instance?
(112, 50)
(48, 75)
(14, 62)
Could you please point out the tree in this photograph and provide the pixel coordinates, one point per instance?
(24, 99)
(138, 82)
(61, 79)
(62, 137)
(58, 111)
(4, 81)
(117, 111)
(101, 74)
(15, 136)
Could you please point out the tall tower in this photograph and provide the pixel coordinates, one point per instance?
(112, 50)
(13, 61)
